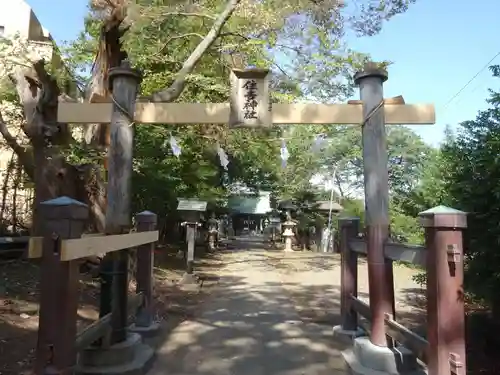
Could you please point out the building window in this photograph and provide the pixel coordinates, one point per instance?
(2, 30)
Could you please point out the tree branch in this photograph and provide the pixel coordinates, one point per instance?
(189, 14)
(23, 156)
(39, 94)
(28, 95)
(178, 37)
(173, 92)
(259, 36)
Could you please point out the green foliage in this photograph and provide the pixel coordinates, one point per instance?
(471, 169)
(302, 41)
(405, 228)
(76, 154)
(420, 279)
(354, 208)
(463, 174)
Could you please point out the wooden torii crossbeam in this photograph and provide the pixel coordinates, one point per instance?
(218, 113)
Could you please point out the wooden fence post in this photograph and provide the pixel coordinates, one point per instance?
(63, 218)
(125, 83)
(444, 228)
(348, 228)
(146, 221)
(389, 277)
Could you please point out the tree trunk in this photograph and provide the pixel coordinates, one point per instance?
(54, 177)
(5, 189)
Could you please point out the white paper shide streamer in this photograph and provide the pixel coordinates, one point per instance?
(174, 146)
(224, 160)
(319, 141)
(318, 144)
(284, 153)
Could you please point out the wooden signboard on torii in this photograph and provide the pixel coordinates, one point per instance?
(249, 107)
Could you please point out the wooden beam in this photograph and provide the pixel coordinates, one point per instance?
(416, 343)
(9, 240)
(362, 308)
(218, 113)
(399, 252)
(91, 246)
(101, 327)
(35, 244)
(35, 247)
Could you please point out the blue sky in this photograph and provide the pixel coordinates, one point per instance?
(436, 47)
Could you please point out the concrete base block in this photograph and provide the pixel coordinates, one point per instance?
(111, 356)
(189, 283)
(145, 332)
(368, 359)
(188, 278)
(346, 336)
(130, 357)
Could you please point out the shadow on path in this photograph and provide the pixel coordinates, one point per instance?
(250, 325)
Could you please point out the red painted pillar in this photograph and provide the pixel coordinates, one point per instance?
(445, 295)
(63, 218)
(348, 228)
(146, 221)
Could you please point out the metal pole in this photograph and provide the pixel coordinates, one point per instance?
(330, 214)
(331, 204)
(376, 176)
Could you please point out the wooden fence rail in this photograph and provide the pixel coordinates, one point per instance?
(443, 351)
(60, 251)
(102, 327)
(9, 245)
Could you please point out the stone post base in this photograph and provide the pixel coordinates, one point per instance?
(368, 359)
(145, 332)
(130, 357)
(189, 282)
(346, 336)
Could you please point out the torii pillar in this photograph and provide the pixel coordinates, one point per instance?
(376, 181)
(371, 354)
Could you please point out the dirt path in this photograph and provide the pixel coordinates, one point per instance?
(271, 313)
(313, 281)
(249, 326)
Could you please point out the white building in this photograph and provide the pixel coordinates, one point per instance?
(17, 20)
(17, 17)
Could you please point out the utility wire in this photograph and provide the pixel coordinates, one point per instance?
(470, 81)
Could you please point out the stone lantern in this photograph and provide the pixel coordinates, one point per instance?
(288, 231)
(191, 211)
(213, 232)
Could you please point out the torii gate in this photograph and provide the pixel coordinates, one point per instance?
(249, 107)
